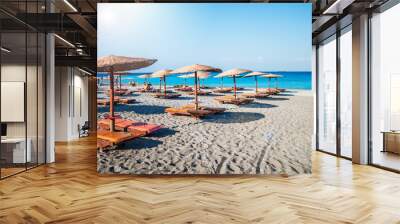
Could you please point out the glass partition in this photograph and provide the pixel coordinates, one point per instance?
(346, 93)
(385, 89)
(327, 96)
(13, 121)
(22, 98)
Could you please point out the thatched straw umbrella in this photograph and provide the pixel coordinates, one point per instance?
(113, 64)
(162, 74)
(117, 77)
(270, 76)
(200, 75)
(195, 69)
(185, 77)
(145, 77)
(233, 73)
(255, 74)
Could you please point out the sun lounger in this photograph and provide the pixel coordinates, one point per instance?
(184, 89)
(103, 102)
(200, 93)
(182, 111)
(216, 110)
(223, 90)
(115, 137)
(126, 100)
(119, 92)
(106, 102)
(136, 127)
(255, 95)
(101, 144)
(120, 124)
(143, 128)
(270, 91)
(232, 100)
(167, 95)
(150, 90)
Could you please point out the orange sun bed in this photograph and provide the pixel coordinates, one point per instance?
(137, 127)
(182, 111)
(255, 95)
(115, 137)
(167, 95)
(184, 89)
(213, 109)
(232, 100)
(223, 90)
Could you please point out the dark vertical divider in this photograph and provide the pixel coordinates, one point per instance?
(338, 76)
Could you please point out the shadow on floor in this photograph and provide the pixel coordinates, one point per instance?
(234, 117)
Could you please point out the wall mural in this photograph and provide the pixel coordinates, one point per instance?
(204, 89)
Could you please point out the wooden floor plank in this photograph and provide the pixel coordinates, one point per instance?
(71, 191)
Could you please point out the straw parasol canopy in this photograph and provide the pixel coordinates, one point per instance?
(195, 69)
(200, 75)
(113, 64)
(270, 76)
(255, 75)
(146, 77)
(233, 73)
(162, 74)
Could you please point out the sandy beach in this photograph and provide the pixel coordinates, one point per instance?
(268, 136)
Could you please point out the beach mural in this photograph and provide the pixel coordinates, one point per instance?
(204, 89)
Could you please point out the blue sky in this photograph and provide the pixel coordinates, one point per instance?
(259, 37)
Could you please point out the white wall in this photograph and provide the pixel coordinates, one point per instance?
(71, 102)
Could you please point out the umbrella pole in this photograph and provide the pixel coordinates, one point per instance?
(165, 88)
(199, 83)
(120, 82)
(195, 91)
(234, 85)
(112, 119)
(256, 84)
(160, 85)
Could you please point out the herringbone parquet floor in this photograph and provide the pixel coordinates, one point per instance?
(70, 191)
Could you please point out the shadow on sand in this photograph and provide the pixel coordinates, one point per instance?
(163, 133)
(182, 98)
(285, 94)
(274, 98)
(139, 143)
(136, 108)
(234, 117)
(258, 105)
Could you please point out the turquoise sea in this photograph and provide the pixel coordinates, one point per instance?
(290, 80)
